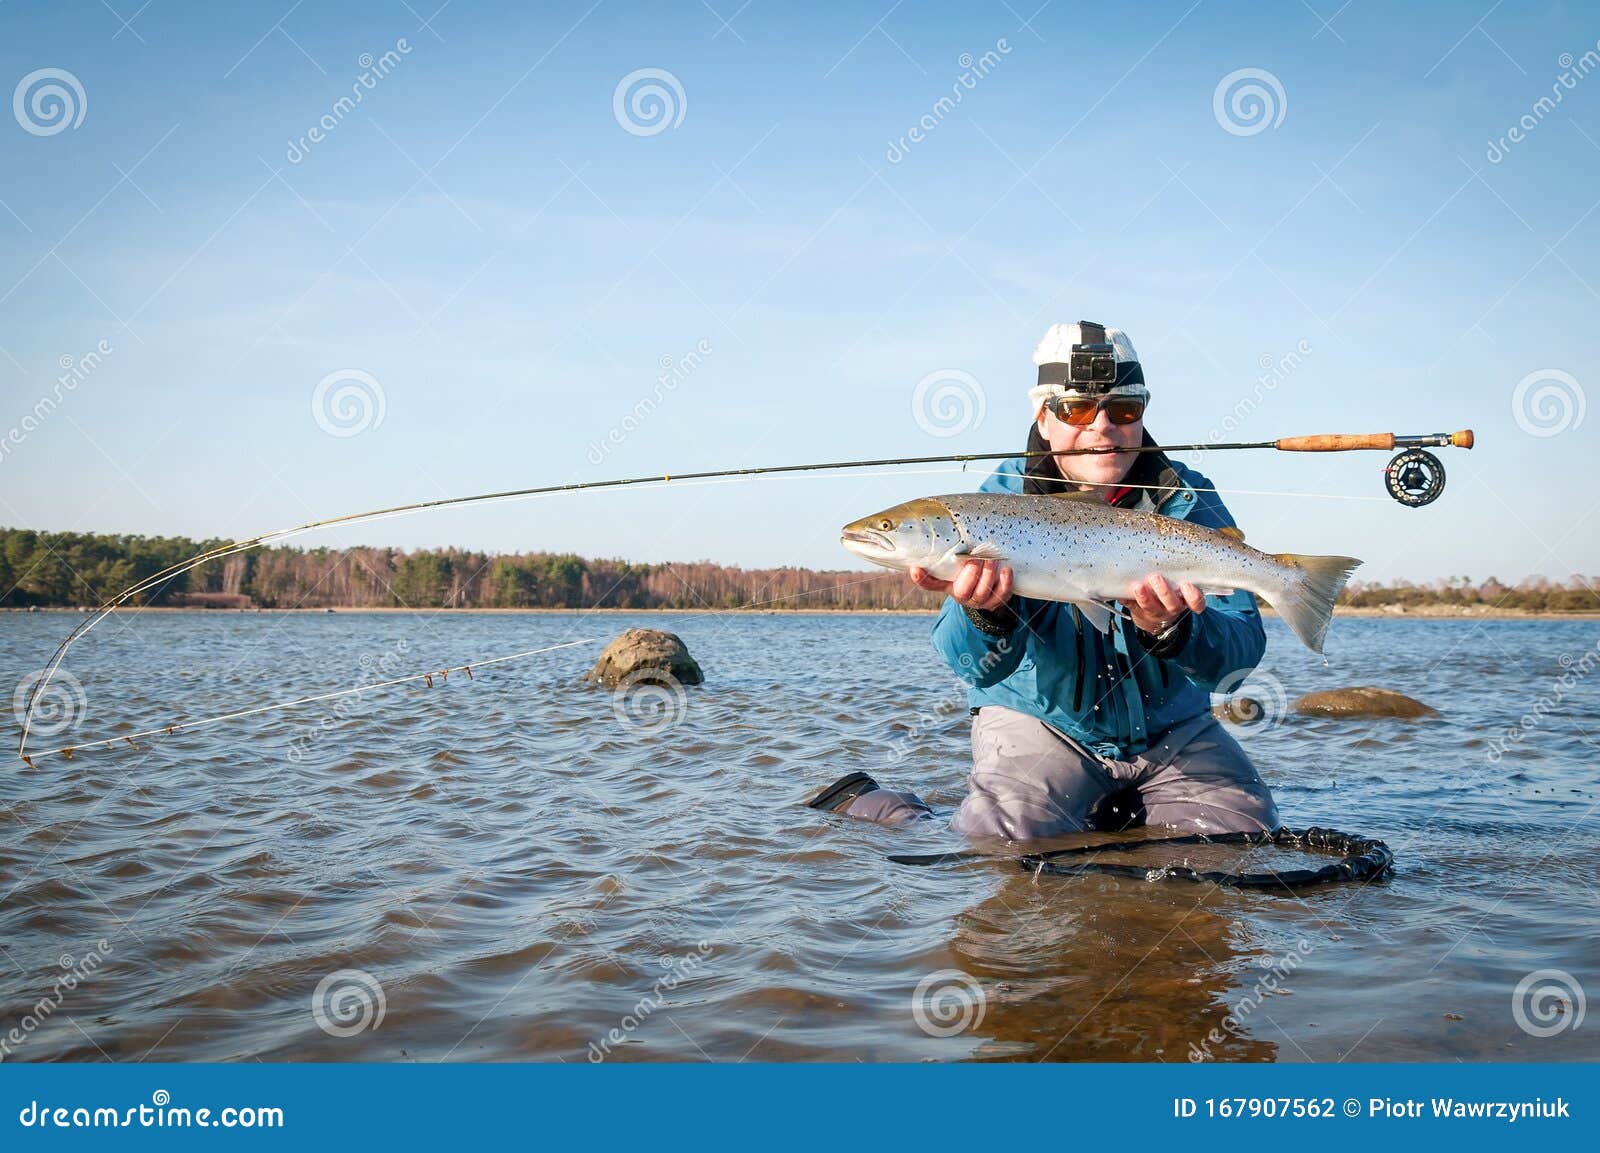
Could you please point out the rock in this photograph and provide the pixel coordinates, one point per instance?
(1239, 710)
(1362, 701)
(639, 653)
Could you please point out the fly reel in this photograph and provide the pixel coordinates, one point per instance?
(1414, 477)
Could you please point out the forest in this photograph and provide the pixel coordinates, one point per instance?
(77, 569)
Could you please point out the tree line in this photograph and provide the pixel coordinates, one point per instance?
(1577, 593)
(70, 569)
(73, 569)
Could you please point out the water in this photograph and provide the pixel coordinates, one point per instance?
(513, 872)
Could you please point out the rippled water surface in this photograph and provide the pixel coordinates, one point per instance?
(519, 873)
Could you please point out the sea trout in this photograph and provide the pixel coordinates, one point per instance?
(1082, 551)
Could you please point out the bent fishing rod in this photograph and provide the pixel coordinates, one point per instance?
(1414, 477)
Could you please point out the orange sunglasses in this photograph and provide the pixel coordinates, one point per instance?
(1079, 411)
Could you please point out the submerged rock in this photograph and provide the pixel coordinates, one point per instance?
(639, 653)
(1239, 710)
(1362, 701)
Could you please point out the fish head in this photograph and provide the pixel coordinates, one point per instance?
(915, 534)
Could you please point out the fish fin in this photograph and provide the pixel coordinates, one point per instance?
(1232, 533)
(1097, 613)
(985, 551)
(1305, 601)
(1092, 496)
(1217, 591)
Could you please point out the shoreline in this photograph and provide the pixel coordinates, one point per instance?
(380, 609)
(1420, 612)
(1451, 613)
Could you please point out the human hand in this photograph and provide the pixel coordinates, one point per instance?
(1155, 604)
(979, 584)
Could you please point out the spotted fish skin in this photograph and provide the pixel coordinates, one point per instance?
(1084, 551)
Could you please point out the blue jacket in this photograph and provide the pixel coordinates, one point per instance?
(1106, 690)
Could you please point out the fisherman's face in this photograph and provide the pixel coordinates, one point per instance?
(1095, 469)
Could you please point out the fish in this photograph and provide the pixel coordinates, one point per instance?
(1078, 550)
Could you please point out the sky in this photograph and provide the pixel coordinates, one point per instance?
(561, 243)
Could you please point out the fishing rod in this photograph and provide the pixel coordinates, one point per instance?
(1414, 477)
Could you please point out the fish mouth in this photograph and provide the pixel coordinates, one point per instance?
(865, 541)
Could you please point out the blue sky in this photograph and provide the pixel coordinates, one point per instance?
(486, 242)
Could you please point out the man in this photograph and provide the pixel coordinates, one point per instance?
(1074, 729)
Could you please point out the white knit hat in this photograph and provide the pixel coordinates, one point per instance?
(1057, 344)
(1056, 348)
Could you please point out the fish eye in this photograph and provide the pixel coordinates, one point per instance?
(886, 524)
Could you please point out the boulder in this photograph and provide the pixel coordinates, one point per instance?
(1239, 710)
(1362, 701)
(645, 655)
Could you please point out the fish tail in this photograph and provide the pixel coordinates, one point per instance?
(1310, 586)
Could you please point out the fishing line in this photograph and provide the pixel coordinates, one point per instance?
(231, 550)
(222, 552)
(1234, 491)
(172, 729)
(1398, 482)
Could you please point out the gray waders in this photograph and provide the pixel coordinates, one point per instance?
(1030, 781)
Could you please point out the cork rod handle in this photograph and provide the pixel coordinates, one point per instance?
(1336, 442)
